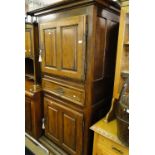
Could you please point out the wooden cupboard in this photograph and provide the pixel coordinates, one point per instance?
(33, 94)
(77, 42)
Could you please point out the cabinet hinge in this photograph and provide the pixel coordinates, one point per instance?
(85, 35)
(40, 56)
(43, 123)
(83, 126)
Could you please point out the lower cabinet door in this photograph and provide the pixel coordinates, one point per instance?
(64, 126)
(33, 115)
(28, 115)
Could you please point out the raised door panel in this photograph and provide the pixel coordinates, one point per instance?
(53, 121)
(69, 131)
(28, 115)
(63, 44)
(69, 48)
(72, 131)
(52, 124)
(50, 47)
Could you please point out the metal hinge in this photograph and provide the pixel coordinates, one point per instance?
(40, 56)
(85, 35)
(43, 123)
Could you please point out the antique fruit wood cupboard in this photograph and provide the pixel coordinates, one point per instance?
(77, 41)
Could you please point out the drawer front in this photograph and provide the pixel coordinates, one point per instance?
(69, 93)
(105, 146)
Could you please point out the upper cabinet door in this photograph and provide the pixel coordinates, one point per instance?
(29, 40)
(63, 43)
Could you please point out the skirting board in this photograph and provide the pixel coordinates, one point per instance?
(53, 148)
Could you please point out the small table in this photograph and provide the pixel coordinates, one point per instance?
(106, 141)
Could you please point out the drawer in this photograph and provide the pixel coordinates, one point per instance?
(70, 93)
(105, 146)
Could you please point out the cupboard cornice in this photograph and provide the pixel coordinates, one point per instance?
(66, 5)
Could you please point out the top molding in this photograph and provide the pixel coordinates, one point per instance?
(67, 4)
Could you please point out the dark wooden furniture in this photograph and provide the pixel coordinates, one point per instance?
(78, 47)
(33, 106)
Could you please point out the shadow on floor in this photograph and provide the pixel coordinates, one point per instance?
(28, 152)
